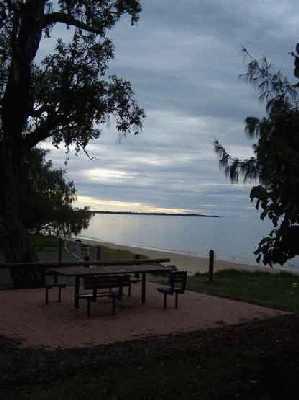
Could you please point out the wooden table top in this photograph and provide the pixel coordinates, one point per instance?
(110, 269)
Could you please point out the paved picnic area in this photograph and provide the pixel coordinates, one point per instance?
(25, 317)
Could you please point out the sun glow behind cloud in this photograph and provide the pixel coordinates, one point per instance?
(97, 204)
(107, 175)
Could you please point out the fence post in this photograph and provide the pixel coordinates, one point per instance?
(211, 265)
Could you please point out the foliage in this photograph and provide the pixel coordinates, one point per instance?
(275, 164)
(64, 98)
(48, 205)
(70, 93)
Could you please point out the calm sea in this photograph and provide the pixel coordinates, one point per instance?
(234, 238)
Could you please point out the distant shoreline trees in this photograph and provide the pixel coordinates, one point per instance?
(276, 160)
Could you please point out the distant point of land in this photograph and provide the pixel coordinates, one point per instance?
(156, 213)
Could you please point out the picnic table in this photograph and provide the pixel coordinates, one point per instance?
(79, 272)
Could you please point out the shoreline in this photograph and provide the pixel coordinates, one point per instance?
(190, 263)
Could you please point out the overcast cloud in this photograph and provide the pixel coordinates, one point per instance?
(184, 60)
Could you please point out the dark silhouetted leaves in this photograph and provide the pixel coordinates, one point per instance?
(276, 161)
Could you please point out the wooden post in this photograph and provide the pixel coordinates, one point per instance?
(60, 245)
(211, 265)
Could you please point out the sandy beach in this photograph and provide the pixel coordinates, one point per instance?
(190, 263)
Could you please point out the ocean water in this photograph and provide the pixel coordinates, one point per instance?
(233, 238)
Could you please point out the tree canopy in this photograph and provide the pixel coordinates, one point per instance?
(48, 205)
(67, 95)
(64, 98)
(275, 163)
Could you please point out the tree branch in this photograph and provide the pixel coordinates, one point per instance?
(63, 18)
(42, 132)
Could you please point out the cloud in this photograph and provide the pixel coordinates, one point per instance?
(184, 60)
(103, 175)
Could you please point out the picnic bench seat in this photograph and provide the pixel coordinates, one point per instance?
(177, 281)
(110, 286)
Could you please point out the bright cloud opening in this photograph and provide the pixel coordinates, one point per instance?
(97, 204)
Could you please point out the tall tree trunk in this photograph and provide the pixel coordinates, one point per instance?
(16, 243)
(17, 105)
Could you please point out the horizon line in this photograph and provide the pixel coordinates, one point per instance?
(154, 213)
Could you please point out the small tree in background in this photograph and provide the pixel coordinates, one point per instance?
(48, 204)
(276, 160)
(47, 208)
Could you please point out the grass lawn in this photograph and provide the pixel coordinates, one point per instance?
(43, 241)
(111, 254)
(49, 245)
(277, 290)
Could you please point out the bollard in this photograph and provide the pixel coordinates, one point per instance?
(211, 265)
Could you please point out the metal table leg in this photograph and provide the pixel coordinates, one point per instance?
(143, 288)
(77, 289)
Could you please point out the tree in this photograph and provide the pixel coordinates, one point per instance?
(64, 98)
(48, 205)
(276, 160)
(47, 208)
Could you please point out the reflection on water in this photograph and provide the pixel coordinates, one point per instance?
(233, 238)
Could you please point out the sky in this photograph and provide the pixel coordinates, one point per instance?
(184, 59)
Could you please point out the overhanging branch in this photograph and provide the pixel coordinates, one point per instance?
(42, 132)
(60, 17)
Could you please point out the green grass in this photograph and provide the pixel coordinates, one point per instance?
(111, 254)
(49, 245)
(277, 290)
(41, 242)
